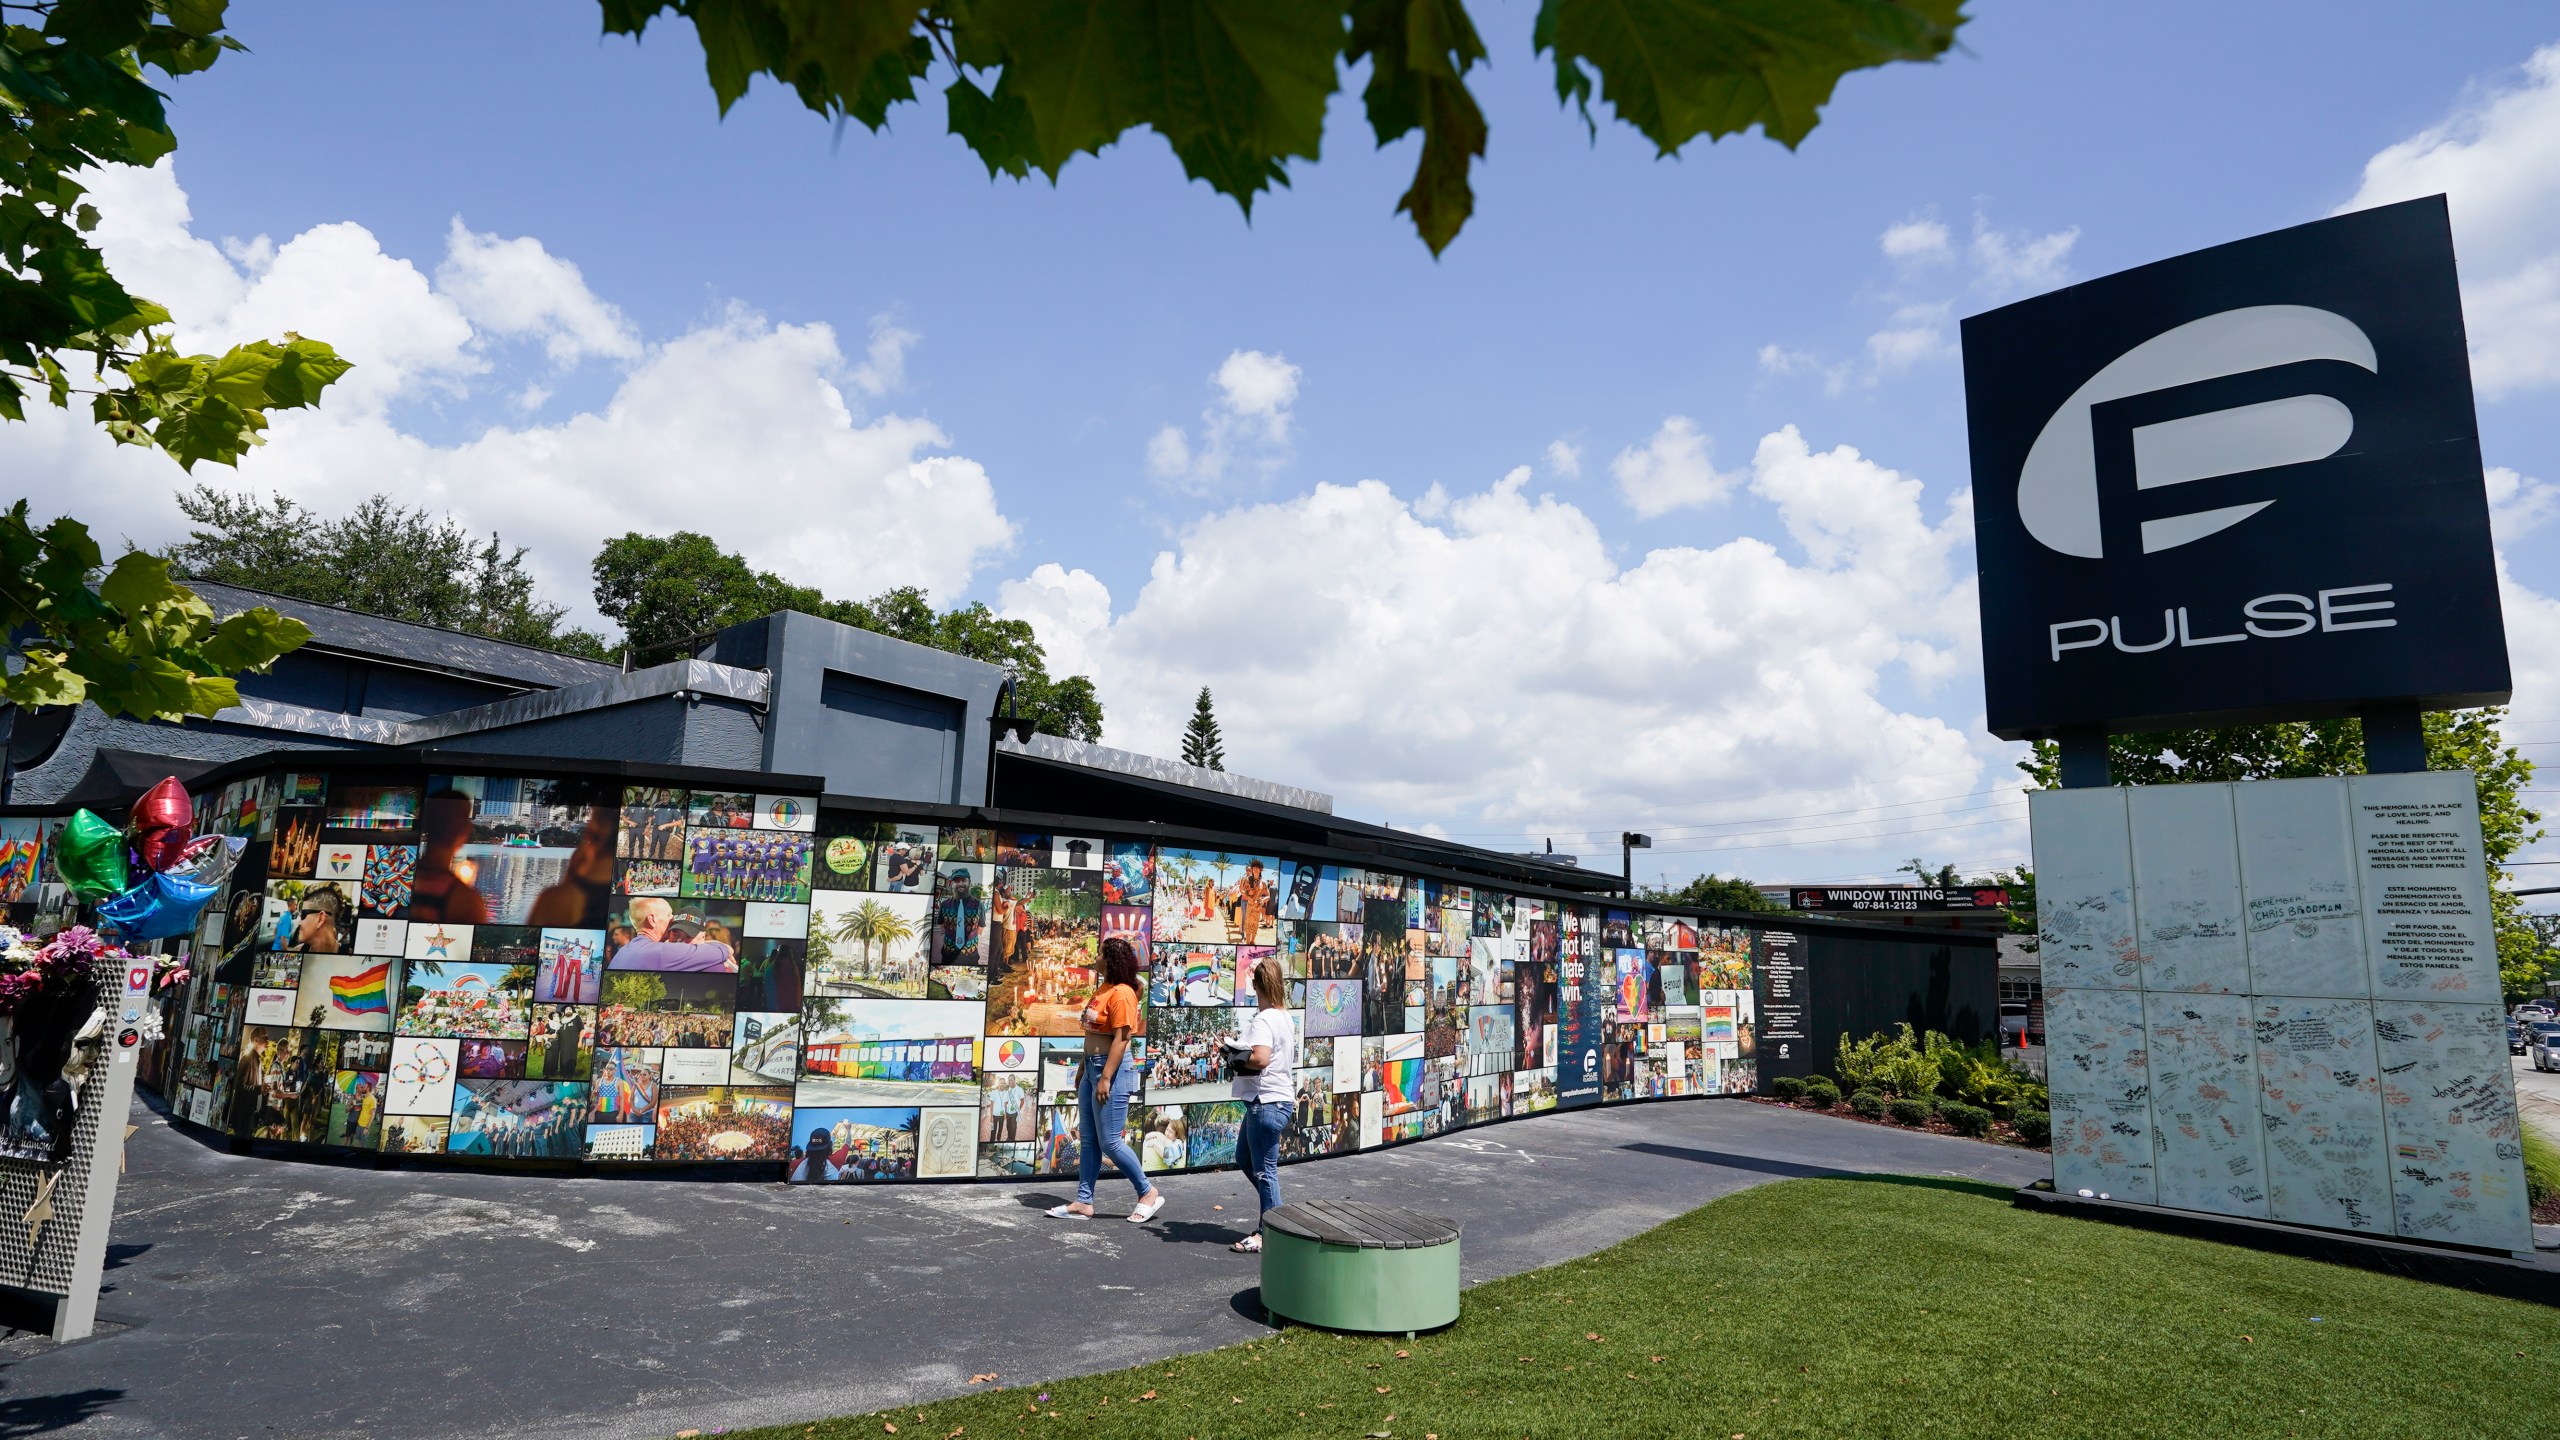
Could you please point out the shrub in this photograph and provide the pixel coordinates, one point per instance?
(1909, 1112)
(1892, 1062)
(2541, 1169)
(1907, 1072)
(1965, 1119)
(1820, 1094)
(2034, 1127)
(1869, 1103)
(1812, 1080)
(1787, 1087)
(1858, 1061)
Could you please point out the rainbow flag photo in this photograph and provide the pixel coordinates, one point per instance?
(367, 992)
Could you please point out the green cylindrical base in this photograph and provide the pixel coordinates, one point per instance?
(1346, 1287)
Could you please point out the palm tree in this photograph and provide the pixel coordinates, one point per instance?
(892, 928)
(1176, 869)
(873, 925)
(1222, 862)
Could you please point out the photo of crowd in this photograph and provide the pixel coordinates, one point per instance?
(519, 1119)
(721, 1123)
(645, 1009)
(1184, 1061)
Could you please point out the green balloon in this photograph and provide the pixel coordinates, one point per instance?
(90, 854)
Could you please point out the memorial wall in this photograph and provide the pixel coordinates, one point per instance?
(514, 965)
(2280, 1000)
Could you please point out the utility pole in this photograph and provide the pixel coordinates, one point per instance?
(1629, 842)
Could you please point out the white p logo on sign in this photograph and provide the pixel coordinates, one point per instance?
(2058, 486)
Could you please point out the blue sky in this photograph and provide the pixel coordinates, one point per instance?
(1046, 338)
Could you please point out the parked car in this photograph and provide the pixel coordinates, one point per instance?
(2544, 1052)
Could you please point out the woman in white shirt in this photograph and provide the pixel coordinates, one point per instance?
(1270, 1092)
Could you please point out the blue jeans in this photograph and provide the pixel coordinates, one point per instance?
(1102, 1129)
(1258, 1148)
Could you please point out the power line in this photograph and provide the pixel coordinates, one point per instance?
(1836, 842)
(1526, 830)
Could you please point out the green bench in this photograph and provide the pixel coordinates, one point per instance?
(1346, 1265)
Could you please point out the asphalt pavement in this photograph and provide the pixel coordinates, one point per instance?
(277, 1299)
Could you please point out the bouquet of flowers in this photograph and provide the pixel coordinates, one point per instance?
(31, 972)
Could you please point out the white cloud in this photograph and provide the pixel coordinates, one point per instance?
(2518, 504)
(2003, 265)
(1260, 388)
(1779, 360)
(884, 361)
(1918, 334)
(517, 288)
(1692, 676)
(1917, 241)
(1675, 469)
(2007, 264)
(1247, 424)
(1564, 458)
(1169, 453)
(2496, 159)
(740, 404)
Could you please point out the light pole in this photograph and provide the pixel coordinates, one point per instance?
(1629, 842)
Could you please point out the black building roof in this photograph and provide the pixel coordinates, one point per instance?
(399, 642)
(1037, 783)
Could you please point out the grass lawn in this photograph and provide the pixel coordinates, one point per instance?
(1885, 1306)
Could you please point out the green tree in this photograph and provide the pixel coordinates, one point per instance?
(669, 592)
(125, 638)
(1943, 876)
(1239, 88)
(72, 96)
(1713, 892)
(381, 559)
(634, 990)
(1202, 745)
(2456, 740)
(2020, 882)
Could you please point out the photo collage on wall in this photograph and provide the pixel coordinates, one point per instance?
(576, 969)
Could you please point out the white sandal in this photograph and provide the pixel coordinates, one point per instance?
(1067, 1212)
(1147, 1209)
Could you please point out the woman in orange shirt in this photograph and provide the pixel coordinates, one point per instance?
(1105, 1082)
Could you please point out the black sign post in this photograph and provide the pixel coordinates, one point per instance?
(2236, 486)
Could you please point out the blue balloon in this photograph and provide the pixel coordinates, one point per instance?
(160, 907)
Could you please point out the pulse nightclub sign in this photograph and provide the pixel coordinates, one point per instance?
(2235, 486)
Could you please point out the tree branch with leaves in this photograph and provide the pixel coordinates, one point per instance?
(73, 97)
(1239, 88)
(125, 637)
